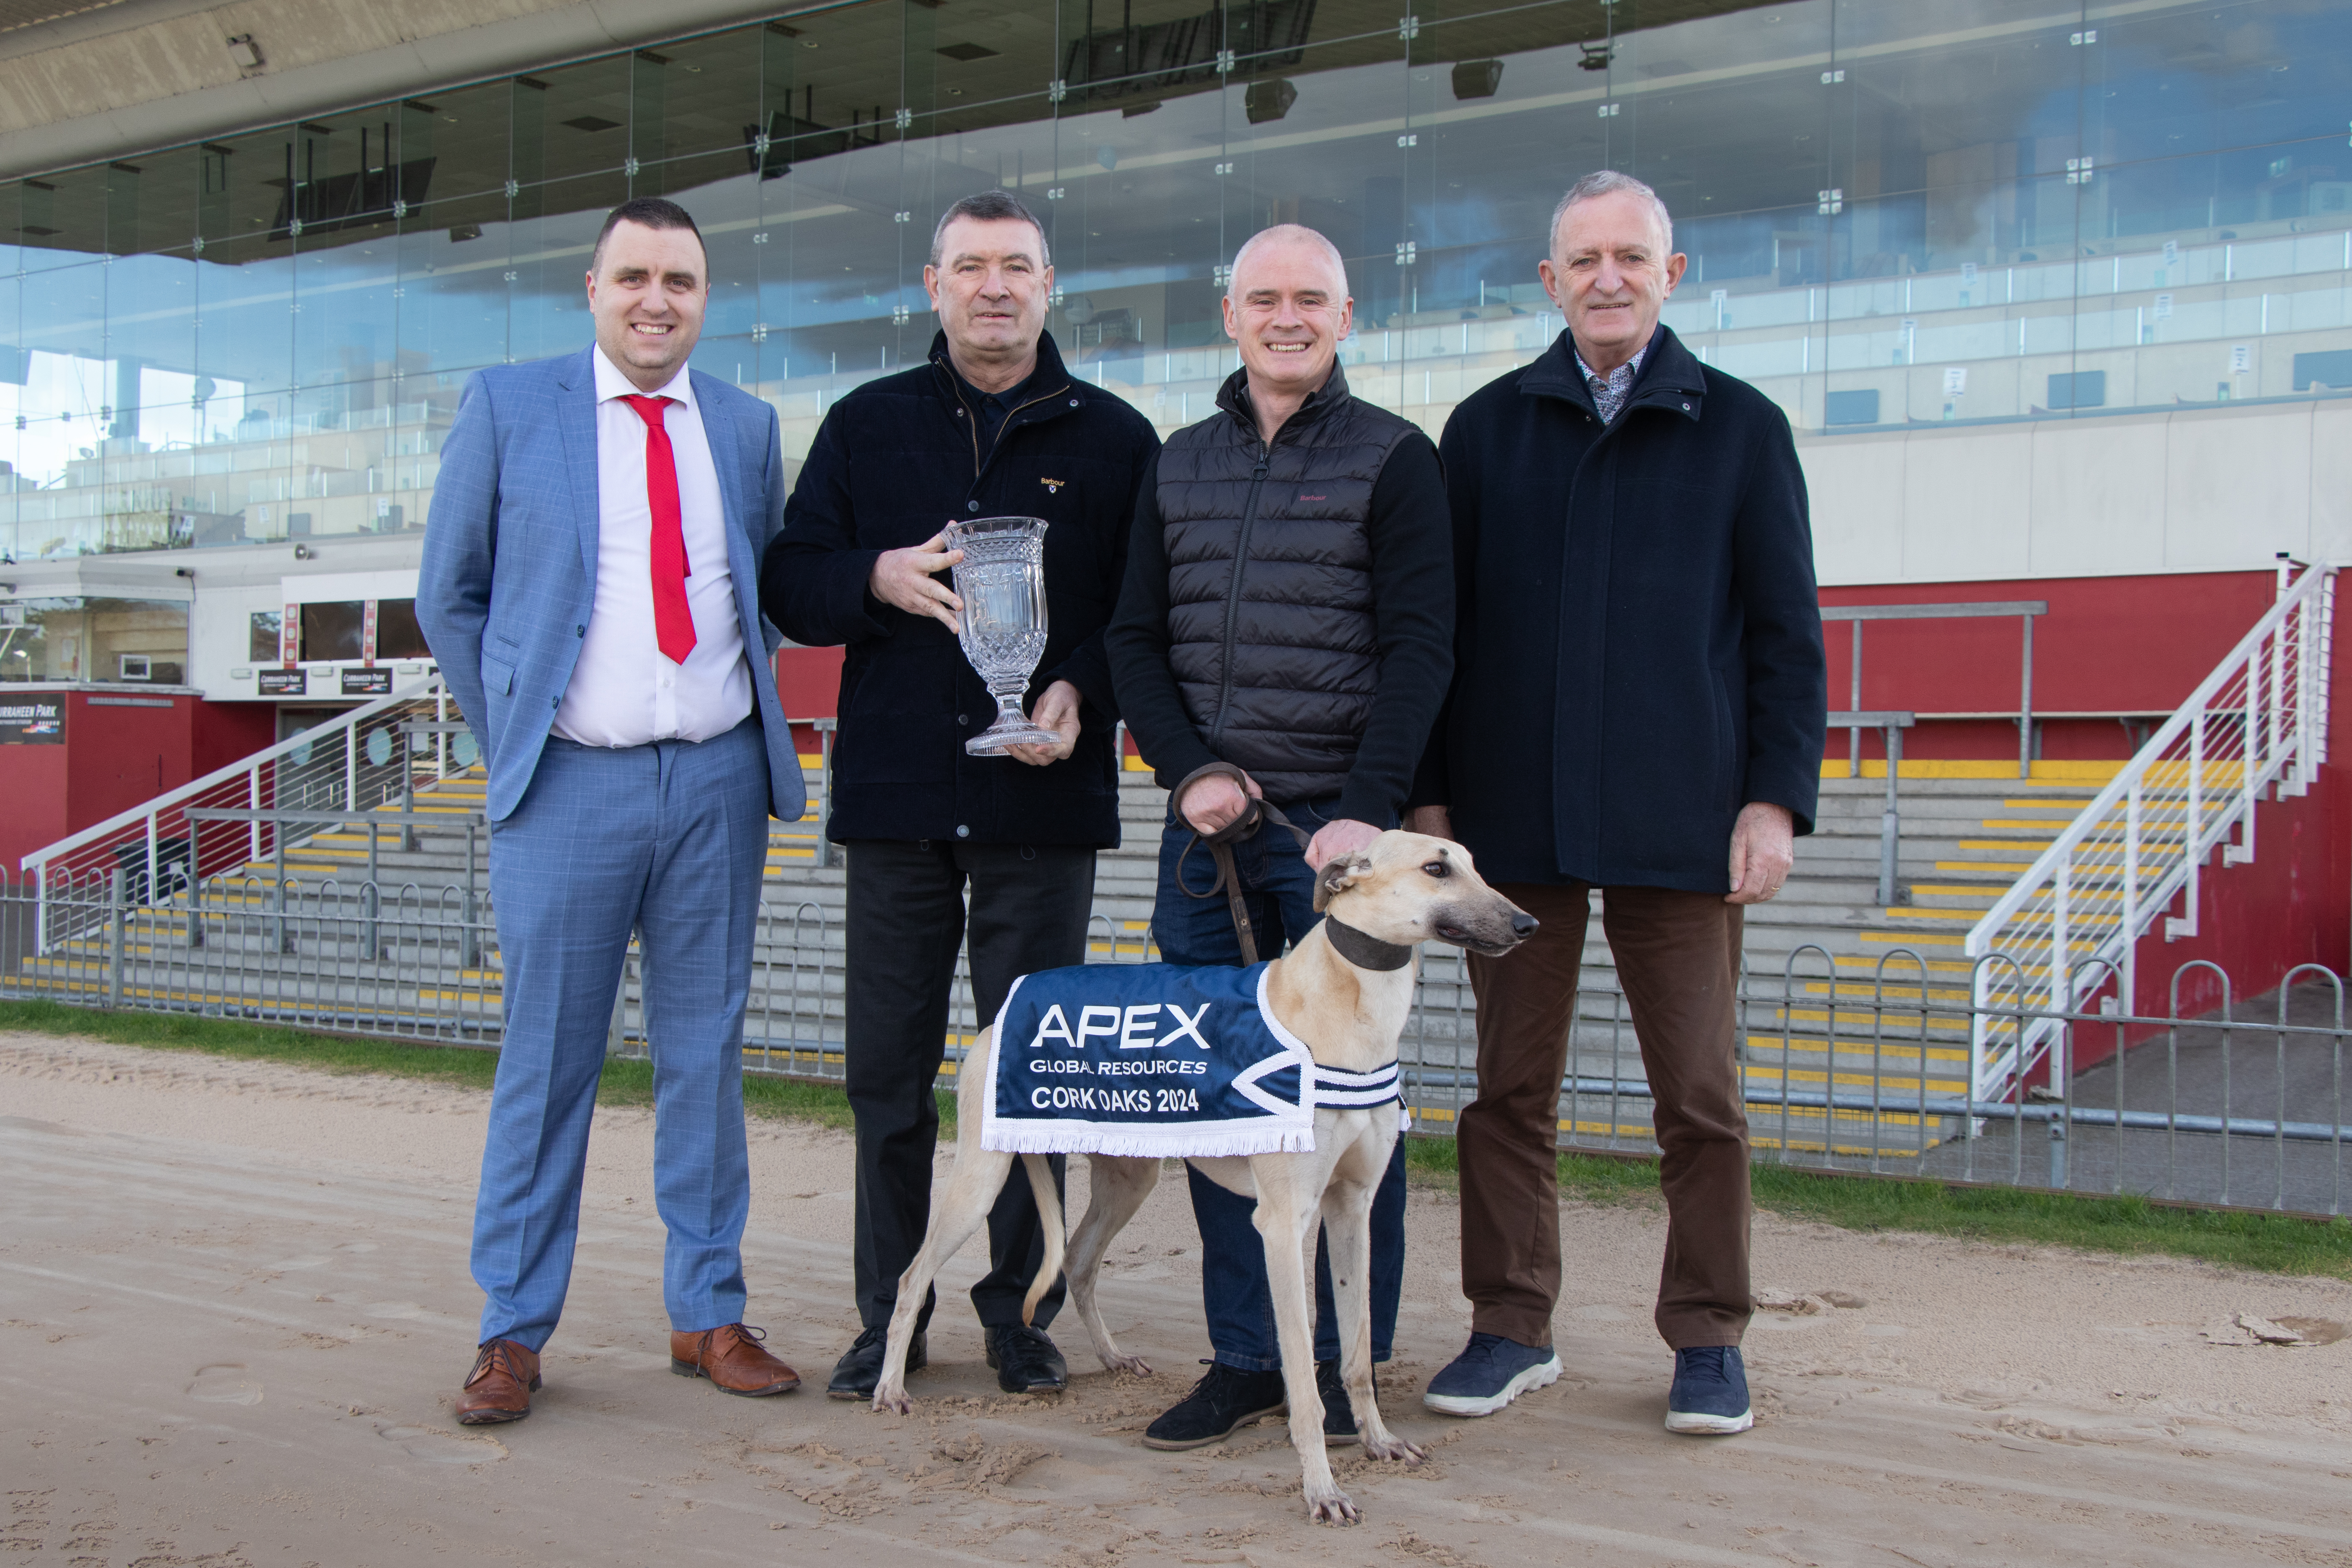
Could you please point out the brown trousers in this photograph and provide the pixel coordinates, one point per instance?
(1679, 956)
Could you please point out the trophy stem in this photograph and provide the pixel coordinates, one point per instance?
(1012, 729)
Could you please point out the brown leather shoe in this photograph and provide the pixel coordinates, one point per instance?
(733, 1358)
(500, 1387)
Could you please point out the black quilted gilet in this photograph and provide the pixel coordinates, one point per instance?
(1271, 634)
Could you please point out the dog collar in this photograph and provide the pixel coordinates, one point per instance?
(1366, 951)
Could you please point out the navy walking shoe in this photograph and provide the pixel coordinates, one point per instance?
(1710, 1392)
(1490, 1374)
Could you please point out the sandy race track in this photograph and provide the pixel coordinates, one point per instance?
(233, 1306)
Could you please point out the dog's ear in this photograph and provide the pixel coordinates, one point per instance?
(1338, 875)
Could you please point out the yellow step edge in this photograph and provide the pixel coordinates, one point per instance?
(2022, 918)
(1904, 997)
(1905, 1019)
(2073, 773)
(1881, 1050)
(1935, 966)
(1859, 1080)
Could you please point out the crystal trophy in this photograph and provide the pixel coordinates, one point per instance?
(1001, 582)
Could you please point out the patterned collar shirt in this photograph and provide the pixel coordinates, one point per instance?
(1609, 391)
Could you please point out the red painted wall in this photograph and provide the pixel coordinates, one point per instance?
(2286, 907)
(114, 758)
(2291, 905)
(808, 681)
(33, 782)
(2108, 644)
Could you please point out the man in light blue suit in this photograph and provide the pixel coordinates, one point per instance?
(591, 591)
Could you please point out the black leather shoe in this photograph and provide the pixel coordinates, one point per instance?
(1026, 1361)
(857, 1373)
(1338, 1411)
(1220, 1403)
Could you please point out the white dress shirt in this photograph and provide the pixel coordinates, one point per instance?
(625, 691)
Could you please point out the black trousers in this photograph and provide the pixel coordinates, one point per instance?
(907, 918)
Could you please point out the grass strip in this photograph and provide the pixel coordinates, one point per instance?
(2236, 1238)
(2277, 1244)
(624, 1082)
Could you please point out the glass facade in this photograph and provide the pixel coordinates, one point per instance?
(1894, 213)
(82, 638)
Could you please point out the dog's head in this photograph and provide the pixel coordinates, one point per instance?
(1410, 887)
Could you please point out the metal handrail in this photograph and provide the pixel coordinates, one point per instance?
(164, 802)
(2271, 694)
(137, 829)
(2025, 608)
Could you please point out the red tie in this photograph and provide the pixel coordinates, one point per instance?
(673, 622)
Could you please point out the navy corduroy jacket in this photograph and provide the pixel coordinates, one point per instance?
(894, 462)
(1637, 633)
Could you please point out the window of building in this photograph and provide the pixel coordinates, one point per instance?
(397, 634)
(139, 642)
(262, 644)
(332, 629)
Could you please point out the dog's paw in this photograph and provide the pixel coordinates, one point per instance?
(1129, 1365)
(892, 1402)
(1331, 1507)
(1394, 1448)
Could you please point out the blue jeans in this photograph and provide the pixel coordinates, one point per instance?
(1280, 892)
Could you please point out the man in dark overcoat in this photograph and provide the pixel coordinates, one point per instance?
(993, 424)
(1638, 706)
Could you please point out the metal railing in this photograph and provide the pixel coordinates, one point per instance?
(370, 756)
(2024, 609)
(2071, 924)
(1890, 818)
(1844, 1069)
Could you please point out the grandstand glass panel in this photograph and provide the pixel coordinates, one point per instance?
(1894, 213)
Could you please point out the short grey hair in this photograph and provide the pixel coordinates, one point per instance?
(991, 207)
(1287, 234)
(1609, 182)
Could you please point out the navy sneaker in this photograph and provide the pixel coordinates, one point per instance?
(1490, 1374)
(1710, 1392)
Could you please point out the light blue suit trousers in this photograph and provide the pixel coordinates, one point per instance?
(669, 839)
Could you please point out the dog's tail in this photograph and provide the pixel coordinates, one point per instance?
(1049, 1213)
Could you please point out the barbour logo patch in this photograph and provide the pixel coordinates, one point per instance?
(1314, 497)
(1054, 485)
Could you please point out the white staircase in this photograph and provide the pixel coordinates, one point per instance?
(2070, 926)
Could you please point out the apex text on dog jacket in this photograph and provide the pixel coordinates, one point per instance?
(1143, 1059)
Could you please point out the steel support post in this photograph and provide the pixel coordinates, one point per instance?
(115, 923)
(1890, 820)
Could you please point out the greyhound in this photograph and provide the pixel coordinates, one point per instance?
(1346, 991)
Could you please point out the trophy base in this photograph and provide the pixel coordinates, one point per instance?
(995, 742)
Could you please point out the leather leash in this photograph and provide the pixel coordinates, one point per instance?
(1257, 813)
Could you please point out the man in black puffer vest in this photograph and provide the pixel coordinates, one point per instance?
(1288, 611)
(992, 426)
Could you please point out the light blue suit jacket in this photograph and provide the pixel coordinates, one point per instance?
(510, 569)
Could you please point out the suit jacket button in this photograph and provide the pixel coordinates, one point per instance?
(961, 831)
(581, 630)
(963, 719)
(555, 702)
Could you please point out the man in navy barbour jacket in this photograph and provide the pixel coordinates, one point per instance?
(995, 425)
(1638, 707)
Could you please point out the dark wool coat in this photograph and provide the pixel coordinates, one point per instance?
(1637, 636)
(894, 462)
